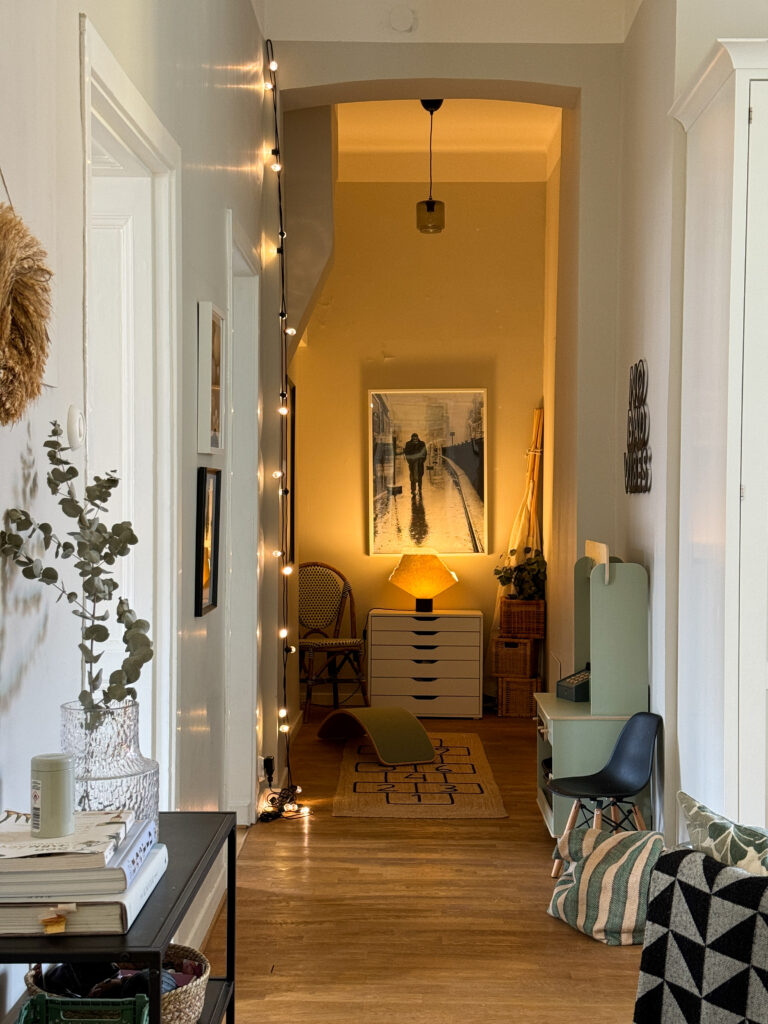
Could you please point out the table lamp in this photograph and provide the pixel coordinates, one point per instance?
(423, 575)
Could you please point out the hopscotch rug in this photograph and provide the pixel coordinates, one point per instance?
(457, 784)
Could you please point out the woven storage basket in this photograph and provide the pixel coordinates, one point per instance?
(181, 1006)
(516, 698)
(512, 656)
(522, 618)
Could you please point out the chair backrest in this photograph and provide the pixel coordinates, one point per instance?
(632, 757)
(324, 594)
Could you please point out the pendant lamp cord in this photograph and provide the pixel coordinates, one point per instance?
(5, 187)
(431, 115)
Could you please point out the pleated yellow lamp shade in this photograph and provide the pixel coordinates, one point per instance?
(424, 575)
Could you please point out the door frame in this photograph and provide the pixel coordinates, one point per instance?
(108, 95)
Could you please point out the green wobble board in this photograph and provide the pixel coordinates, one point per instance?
(398, 737)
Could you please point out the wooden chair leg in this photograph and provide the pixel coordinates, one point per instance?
(639, 821)
(557, 867)
(597, 821)
(614, 812)
(310, 671)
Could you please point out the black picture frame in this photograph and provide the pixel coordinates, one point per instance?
(207, 539)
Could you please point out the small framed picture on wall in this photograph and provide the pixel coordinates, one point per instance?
(207, 539)
(210, 378)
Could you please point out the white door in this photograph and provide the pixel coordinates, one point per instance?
(132, 355)
(120, 385)
(753, 583)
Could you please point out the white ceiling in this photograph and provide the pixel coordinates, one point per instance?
(473, 140)
(448, 21)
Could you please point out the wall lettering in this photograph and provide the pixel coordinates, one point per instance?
(637, 458)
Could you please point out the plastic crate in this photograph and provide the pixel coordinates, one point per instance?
(516, 698)
(522, 618)
(514, 656)
(44, 1009)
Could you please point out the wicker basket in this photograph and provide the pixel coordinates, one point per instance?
(522, 618)
(516, 698)
(512, 656)
(182, 1005)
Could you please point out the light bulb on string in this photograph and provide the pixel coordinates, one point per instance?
(283, 713)
(286, 571)
(283, 410)
(283, 633)
(290, 330)
(290, 649)
(273, 65)
(277, 553)
(305, 810)
(277, 474)
(285, 728)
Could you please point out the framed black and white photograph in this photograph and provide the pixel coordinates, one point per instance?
(210, 378)
(427, 471)
(207, 539)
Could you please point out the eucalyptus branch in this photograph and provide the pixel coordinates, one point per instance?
(95, 548)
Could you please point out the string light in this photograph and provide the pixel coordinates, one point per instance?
(283, 802)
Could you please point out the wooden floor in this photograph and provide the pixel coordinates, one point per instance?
(378, 921)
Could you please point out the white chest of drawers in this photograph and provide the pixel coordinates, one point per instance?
(430, 663)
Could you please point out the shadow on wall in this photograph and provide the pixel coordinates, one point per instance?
(23, 615)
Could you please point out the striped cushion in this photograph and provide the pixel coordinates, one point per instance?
(603, 890)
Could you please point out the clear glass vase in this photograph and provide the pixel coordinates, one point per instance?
(111, 772)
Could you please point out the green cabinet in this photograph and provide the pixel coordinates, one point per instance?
(611, 633)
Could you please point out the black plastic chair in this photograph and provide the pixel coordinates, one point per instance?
(627, 773)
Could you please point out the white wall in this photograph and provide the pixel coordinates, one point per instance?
(650, 280)
(198, 65)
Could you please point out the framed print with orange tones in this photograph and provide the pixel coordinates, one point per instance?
(207, 539)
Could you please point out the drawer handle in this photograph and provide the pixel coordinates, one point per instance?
(424, 679)
(510, 644)
(428, 618)
(425, 697)
(424, 661)
(424, 632)
(425, 647)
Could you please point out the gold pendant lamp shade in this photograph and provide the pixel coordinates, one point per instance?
(430, 213)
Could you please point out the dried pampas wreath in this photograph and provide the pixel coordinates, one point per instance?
(25, 305)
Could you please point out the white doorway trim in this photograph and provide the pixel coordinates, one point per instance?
(111, 102)
(241, 496)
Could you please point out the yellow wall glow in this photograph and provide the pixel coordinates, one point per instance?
(464, 308)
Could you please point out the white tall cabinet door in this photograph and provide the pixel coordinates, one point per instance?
(723, 560)
(753, 620)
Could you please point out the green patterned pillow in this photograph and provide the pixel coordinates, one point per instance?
(740, 846)
(603, 890)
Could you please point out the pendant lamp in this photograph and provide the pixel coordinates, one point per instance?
(430, 213)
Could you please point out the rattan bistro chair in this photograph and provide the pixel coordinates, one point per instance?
(324, 652)
(626, 774)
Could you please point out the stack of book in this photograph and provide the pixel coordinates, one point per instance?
(93, 882)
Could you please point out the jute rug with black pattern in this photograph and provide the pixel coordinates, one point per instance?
(457, 784)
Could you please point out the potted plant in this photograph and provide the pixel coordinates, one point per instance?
(526, 616)
(101, 727)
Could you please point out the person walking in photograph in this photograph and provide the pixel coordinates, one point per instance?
(415, 452)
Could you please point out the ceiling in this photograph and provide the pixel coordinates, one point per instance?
(447, 21)
(473, 140)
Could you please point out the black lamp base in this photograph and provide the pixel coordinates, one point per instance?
(423, 604)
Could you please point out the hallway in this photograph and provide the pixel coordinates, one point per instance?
(375, 921)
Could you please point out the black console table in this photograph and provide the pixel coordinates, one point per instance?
(194, 839)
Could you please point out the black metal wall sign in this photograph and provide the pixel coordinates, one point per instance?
(637, 458)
